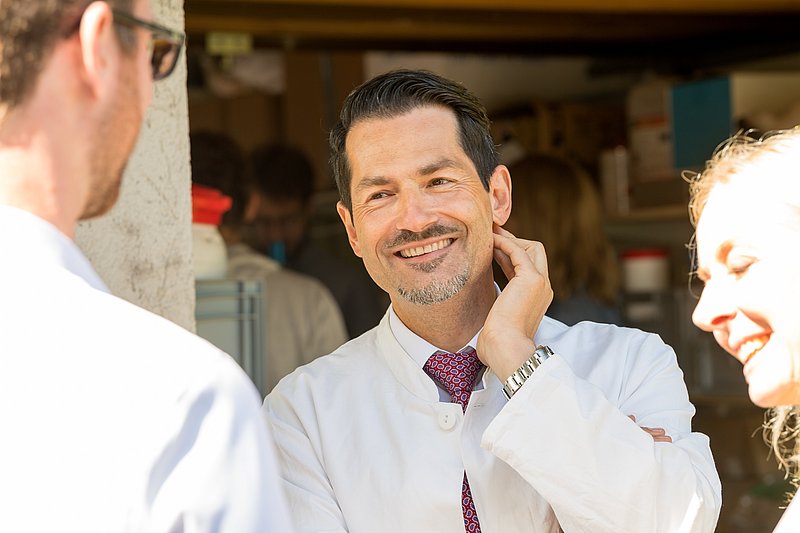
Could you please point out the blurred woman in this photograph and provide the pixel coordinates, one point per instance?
(556, 203)
(745, 207)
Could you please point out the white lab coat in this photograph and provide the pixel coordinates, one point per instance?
(113, 419)
(366, 446)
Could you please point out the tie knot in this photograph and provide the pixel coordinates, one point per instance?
(456, 372)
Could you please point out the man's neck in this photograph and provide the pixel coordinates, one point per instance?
(25, 188)
(449, 325)
(36, 169)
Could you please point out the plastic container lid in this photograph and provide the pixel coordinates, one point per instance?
(208, 205)
(644, 252)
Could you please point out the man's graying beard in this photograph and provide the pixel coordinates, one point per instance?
(438, 290)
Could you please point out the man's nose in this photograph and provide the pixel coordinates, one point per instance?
(417, 211)
(715, 307)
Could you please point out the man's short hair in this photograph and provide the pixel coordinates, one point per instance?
(401, 91)
(218, 162)
(282, 172)
(29, 29)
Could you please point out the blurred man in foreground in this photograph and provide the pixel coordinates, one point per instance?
(113, 419)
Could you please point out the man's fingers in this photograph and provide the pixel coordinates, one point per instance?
(505, 262)
(522, 253)
(658, 434)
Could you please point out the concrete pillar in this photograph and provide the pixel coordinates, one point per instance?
(142, 248)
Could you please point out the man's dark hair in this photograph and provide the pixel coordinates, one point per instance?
(400, 91)
(29, 29)
(218, 162)
(282, 172)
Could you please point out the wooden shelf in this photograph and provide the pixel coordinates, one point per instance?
(658, 213)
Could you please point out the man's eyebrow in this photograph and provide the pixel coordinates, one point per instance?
(431, 168)
(436, 166)
(372, 181)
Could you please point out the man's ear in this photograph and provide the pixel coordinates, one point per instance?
(99, 47)
(347, 220)
(500, 194)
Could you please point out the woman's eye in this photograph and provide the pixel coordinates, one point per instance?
(739, 266)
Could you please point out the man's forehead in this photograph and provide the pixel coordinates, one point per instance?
(408, 127)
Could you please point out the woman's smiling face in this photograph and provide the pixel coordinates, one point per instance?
(748, 251)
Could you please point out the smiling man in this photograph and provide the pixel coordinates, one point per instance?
(466, 408)
(114, 419)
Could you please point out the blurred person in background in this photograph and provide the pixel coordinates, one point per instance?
(745, 207)
(301, 319)
(556, 203)
(278, 219)
(114, 419)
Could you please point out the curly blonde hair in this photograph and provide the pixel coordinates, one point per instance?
(774, 155)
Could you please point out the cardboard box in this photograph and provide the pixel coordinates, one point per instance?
(649, 118)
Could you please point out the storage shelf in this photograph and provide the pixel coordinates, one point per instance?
(662, 212)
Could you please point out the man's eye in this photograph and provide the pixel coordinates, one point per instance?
(439, 181)
(377, 195)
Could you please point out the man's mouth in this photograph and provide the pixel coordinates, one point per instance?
(751, 347)
(428, 248)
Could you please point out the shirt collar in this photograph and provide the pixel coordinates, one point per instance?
(418, 348)
(37, 243)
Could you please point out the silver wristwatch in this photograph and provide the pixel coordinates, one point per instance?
(541, 354)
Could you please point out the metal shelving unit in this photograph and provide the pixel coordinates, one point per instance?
(229, 314)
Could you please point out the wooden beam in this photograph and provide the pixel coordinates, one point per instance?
(450, 27)
(544, 6)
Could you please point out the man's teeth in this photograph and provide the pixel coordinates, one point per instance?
(751, 347)
(419, 250)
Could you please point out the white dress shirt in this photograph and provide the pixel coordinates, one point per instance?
(421, 350)
(114, 419)
(366, 444)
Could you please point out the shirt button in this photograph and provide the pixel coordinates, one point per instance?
(447, 420)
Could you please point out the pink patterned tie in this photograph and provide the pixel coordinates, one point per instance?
(456, 372)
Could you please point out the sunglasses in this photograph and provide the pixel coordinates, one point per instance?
(166, 43)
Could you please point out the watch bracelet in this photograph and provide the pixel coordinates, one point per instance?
(515, 381)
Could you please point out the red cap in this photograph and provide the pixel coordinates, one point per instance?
(208, 205)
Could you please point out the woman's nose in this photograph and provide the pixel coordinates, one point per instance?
(715, 307)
